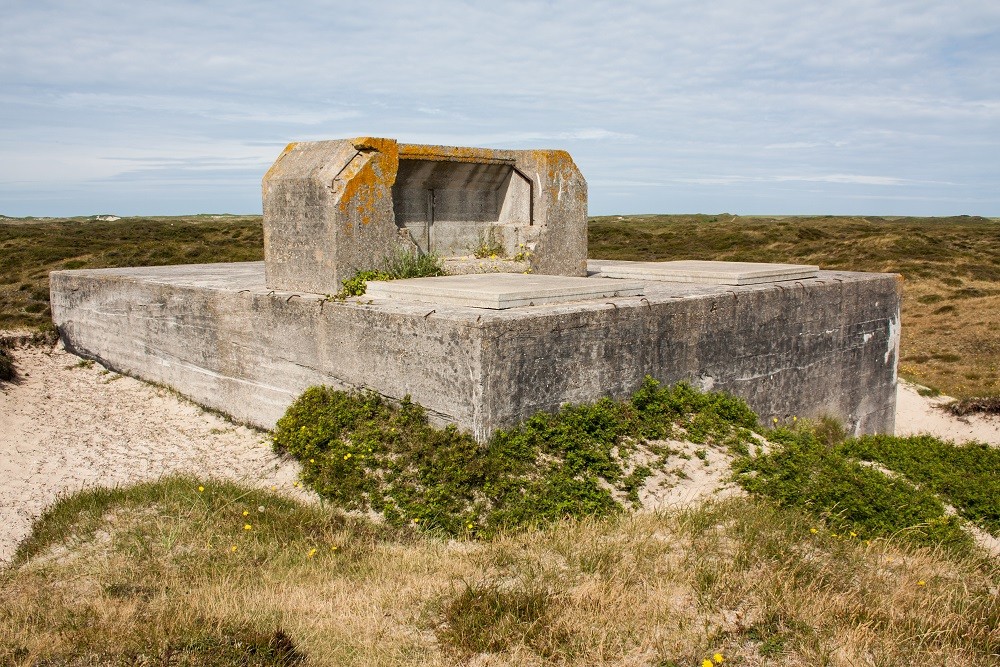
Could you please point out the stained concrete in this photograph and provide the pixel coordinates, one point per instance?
(700, 271)
(501, 291)
(220, 335)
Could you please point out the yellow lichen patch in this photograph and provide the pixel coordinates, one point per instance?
(370, 183)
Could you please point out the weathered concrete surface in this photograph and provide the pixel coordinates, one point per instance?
(501, 291)
(333, 208)
(217, 334)
(700, 271)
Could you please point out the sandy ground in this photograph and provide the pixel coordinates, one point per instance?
(66, 426)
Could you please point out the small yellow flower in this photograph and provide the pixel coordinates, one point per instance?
(775, 420)
(201, 489)
(921, 583)
(718, 658)
(232, 548)
(247, 526)
(706, 663)
(813, 531)
(853, 534)
(333, 548)
(795, 419)
(416, 519)
(347, 456)
(312, 460)
(469, 526)
(274, 488)
(246, 513)
(312, 552)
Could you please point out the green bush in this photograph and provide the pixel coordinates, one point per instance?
(966, 476)
(363, 453)
(853, 499)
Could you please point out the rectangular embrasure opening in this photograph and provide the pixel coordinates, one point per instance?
(450, 208)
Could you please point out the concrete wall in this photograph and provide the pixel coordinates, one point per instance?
(217, 334)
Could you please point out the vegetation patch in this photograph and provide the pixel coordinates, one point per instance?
(488, 245)
(965, 476)
(489, 617)
(167, 573)
(403, 264)
(883, 486)
(362, 453)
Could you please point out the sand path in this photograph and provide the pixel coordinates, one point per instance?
(66, 426)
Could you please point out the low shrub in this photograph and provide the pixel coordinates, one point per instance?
(966, 476)
(362, 453)
(853, 499)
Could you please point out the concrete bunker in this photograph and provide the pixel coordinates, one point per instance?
(483, 351)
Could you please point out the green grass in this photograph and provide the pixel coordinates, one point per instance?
(851, 500)
(362, 453)
(30, 249)
(966, 476)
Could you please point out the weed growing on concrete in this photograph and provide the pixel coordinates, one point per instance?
(488, 245)
(403, 264)
(363, 453)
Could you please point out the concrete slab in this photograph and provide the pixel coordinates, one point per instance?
(695, 271)
(499, 291)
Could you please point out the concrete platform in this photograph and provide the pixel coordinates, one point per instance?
(501, 290)
(706, 272)
(217, 334)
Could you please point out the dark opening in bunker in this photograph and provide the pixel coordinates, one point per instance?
(449, 208)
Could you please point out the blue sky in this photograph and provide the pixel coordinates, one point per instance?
(839, 107)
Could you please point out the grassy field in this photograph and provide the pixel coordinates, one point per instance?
(31, 248)
(196, 572)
